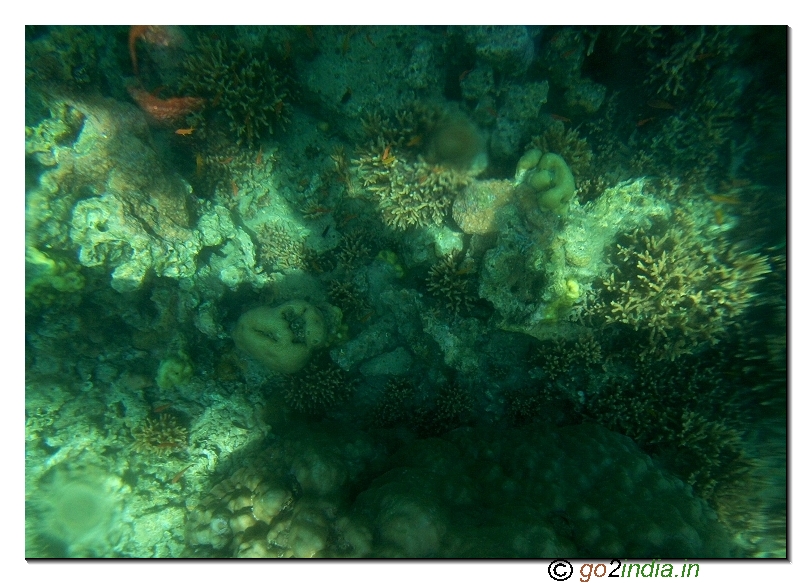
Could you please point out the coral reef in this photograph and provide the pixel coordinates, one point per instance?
(566, 143)
(283, 337)
(681, 285)
(572, 344)
(161, 436)
(449, 279)
(408, 194)
(318, 388)
(251, 94)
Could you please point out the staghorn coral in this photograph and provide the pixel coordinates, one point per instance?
(449, 280)
(394, 406)
(408, 193)
(318, 388)
(681, 285)
(241, 84)
(686, 414)
(689, 49)
(160, 436)
(278, 251)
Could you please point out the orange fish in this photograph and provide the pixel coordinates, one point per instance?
(259, 157)
(185, 132)
(234, 189)
(180, 473)
(165, 111)
(161, 408)
(464, 74)
(557, 117)
(642, 122)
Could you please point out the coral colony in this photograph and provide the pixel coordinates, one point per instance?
(525, 298)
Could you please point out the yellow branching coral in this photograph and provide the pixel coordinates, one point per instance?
(408, 193)
(681, 285)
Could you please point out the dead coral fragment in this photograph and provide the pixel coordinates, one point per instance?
(161, 437)
(449, 280)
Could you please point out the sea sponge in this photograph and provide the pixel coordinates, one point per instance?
(282, 338)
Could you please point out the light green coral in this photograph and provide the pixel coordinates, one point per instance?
(173, 371)
(46, 278)
(550, 178)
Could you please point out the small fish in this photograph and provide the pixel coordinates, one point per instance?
(180, 474)
(557, 117)
(642, 122)
(386, 153)
(161, 408)
(719, 217)
(464, 74)
(720, 198)
(278, 107)
(703, 56)
(568, 54)
(185, 131)
(415, 141)
(659, 104)
(347, 218)
(259, 157)
(234, 189)
(370, 41)
(199, 160)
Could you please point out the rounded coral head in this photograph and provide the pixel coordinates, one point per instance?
(283, 337)
(456, 142)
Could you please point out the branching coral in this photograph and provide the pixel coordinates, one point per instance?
(318, 388)
(162, 436)
(676, 72)
(394, 407)
(449, 279)
(681, 285)
(242, 84)
(278, 251)
(408, 193)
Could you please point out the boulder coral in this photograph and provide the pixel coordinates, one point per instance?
(282, 338)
